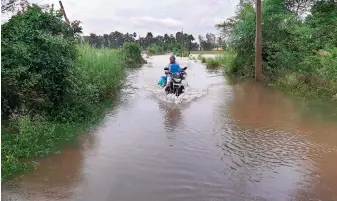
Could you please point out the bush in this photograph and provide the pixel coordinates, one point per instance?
(25, 137)
(131, 53)
(291, 47)
(227, 60)
(154, 49)
(98, 76)
(177, 50)
(212, 63)
(38, 55)
(52, 88)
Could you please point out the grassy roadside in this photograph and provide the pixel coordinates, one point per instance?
(24, 137)
(290, 81)
(296, 56)
(52, 87)
(208, 52)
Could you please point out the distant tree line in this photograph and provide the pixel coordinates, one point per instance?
(167, 42)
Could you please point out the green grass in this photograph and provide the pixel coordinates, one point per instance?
(98, 77)
(212, 63)
(202, 59)
(226, 61)
(295, 83)
(103, 68)
(307, 86)
(208, 52)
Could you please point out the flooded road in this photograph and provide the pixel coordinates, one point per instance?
(223, 140)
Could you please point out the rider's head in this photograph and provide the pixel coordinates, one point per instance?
(172, 59)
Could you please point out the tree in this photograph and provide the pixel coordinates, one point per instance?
(211, 40)
(220, 43)
(190, 39)
(323, 20)
(157, 44)
(34, 80)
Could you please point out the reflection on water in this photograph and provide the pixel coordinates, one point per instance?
(172, 116)
(238, 141)
(281, 132)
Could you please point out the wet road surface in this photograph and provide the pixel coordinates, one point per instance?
(223, 140)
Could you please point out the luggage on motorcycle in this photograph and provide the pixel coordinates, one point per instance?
(162, 80)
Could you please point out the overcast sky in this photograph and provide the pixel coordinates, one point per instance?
(142, 16)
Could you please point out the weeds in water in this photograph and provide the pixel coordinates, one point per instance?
(227, 61)
(131, 54)
(212, 63)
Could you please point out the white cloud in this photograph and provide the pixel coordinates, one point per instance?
(142, 16)
(148, 20)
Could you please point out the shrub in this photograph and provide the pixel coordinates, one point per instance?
(291, 48)
(98, 76)
(212, 63)
(51, 87)
(131, 53)
(38, 55)
(25, 137)
(154, 49)
(227, 60)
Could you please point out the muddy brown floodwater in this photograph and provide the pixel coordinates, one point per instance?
(224, 140)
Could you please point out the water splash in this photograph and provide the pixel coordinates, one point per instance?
(189, 94)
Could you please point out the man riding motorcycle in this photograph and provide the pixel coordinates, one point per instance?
(173, 68)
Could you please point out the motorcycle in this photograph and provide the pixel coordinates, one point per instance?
(175, 85)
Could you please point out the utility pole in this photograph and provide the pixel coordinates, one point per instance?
(64, 12)
(258, 43)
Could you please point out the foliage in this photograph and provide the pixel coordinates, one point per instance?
(210, 42)
(292, 47)
(212, 63)
(155, 49)
(28, 138)
(154, 44)
(38, 55)
(50, 85)
(203, 59)
(97, 77)
(227, 61)
(131, 54)
(216, 52)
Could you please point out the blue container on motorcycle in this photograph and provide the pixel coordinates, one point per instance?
(162, 80)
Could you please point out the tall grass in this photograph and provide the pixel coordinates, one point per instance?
(97, 78)
(104, 69)
(226, 61)
(212, 63)
(207, 52)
